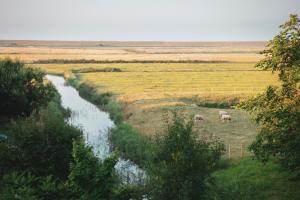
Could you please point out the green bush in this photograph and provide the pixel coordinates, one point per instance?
(115, 111)
(277, 110)
(40, 144)
(27, 186)
(22, 89)
(182, 164)
(90, 177)
(131, 144)
(249, 179)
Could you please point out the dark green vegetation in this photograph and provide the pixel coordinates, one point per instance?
(183, 162)
(277, 111)
(90, 69)
(41, 144)
(131, 144)
(221, 102)
(22, 90)
(250, 179)
(45, 158)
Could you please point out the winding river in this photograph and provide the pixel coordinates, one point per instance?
(95, 125)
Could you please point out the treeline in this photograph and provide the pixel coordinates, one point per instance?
(93, 61)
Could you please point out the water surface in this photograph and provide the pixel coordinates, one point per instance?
(95, 125)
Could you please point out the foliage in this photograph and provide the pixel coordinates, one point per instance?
(131, 144)
(182, 166)
(27, 186)
(18, 186)
(249, 179)
(278, 109)
(115, 111)
(22, 89)
(40, 144)
(90, 177)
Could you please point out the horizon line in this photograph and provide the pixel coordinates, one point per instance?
(50, 40)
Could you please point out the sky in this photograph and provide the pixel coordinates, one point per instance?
(144, 20)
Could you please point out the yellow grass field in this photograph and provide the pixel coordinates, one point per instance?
(132, 86)
(139, 81)
(30, 51)
(147, 90)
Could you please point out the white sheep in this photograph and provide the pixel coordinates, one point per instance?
(198, 118)
(221, 112)
(226, 118)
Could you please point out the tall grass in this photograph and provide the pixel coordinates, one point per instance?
(250, 179)
(131, 144)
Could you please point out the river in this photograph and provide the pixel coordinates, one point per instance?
(95, 125)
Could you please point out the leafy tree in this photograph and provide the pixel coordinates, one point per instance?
(90, 177)
(40, 144)
(22, 89)
(277, 111)
(183, 163)
(27, 186)
(17, 186)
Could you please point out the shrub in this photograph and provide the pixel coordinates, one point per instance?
(277, 111)
(22, 89)
(131, 144)
(183, 163)
(90, 177)
(40, 144)
(115, 111)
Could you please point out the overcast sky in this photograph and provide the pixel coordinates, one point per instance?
(149, 20)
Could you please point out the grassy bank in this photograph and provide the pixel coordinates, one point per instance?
(102, 100)
(250, 179)
(124, 138)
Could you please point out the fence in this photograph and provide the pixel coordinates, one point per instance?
(237, 150)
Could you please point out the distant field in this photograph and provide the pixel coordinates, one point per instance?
(138, 81)
(132, 86)
(30, 51)
(147, 90)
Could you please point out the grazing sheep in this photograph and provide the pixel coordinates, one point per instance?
(226, 118)
(198, 118)
(221, 112)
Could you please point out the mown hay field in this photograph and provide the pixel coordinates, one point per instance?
(132, 86)
(148, 90)
(138, 81)
(32, 51)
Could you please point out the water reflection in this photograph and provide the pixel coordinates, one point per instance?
(95, 125)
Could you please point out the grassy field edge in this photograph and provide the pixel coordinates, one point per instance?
(123, 137)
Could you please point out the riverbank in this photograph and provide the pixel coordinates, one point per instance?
(238, 179)
(124, 137)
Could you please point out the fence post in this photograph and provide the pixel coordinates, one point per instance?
(229, 151)
(242, 150)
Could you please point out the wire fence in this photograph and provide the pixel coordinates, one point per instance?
(237, 150)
